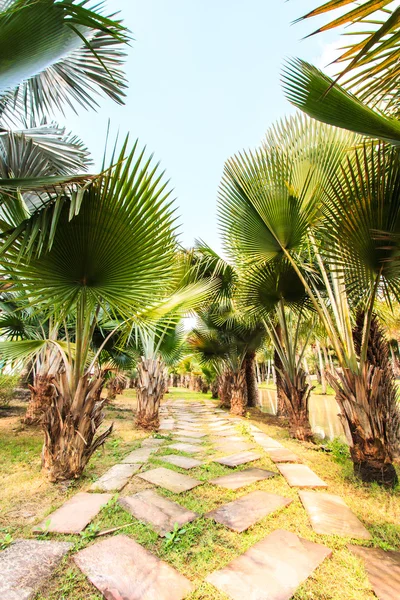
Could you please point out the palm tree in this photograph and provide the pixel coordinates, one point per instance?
(112, 260)
(223, 339)
(308, 192)
(272, 293)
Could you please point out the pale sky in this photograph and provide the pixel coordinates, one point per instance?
(203, 84)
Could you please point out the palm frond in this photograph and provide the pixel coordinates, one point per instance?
(313, 92)
(58, 53)
(117, 252)
(372, 54)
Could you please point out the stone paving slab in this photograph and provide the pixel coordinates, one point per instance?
(272, 569)
(244, 512)
(190, 433)
(121, 569)
(234, 460)
(301, 476)
(232, 447)
(115, 478)
(266, 442)
(159, 512)
(226, 433)
(240, 479)
(74, 514)
(189, 448)
(383, 570)
(170, 480)
(153, 442)
(329, 515)
(187, 440)
(282, 455)
(180, 461)
(25, 566)
(141, 455)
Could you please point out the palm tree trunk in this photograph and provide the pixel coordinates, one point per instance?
(251, 380)
(239, 392)
(281, 408)
(369, 409)
(70, 426)
(214, 388)
(321, 367)
(225, 389)
(43, 392)
(150, 391)
(296, 396)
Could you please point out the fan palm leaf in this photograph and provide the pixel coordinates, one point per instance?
(372, 54)
(117, 253)
(313, 92)
(57, 53)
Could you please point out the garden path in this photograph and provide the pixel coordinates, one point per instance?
(271, 569)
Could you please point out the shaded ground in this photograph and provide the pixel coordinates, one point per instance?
(205, 546)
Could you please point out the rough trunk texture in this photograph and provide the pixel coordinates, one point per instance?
(43, 391)
(369, 409)
(251, 381)
(70, 427)
(239, 393)
(281, 407)
(150, 390)
(225, 389)
(215, 388)
(296, 396)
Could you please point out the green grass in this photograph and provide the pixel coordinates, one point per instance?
(204, 545)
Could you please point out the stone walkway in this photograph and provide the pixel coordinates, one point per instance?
(271, 569)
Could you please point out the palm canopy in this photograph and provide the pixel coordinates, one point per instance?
(333, 220)
(371, 56)
(117, 253)
(57, 53)
(270, 198)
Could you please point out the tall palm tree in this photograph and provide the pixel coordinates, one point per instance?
(112, 260)
(307, 191)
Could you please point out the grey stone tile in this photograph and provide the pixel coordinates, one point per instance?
(115, 478)
(162, 514)
(240, 479)
(329, 515)
(121, 569)
(301, 476)
(180, 461)
(25, 566)
(234, 460)
(74, 514)
(244, 512)
(170, 480)
(272, 569)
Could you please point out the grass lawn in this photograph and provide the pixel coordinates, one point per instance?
(204, 546)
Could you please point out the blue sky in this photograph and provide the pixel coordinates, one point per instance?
(203, 84)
